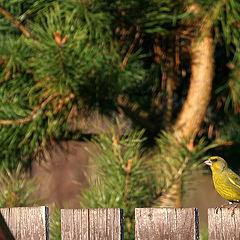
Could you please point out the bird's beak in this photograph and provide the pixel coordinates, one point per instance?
(208, 162)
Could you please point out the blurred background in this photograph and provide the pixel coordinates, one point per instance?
(117, 103)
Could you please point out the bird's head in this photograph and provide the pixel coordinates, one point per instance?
(216, 164)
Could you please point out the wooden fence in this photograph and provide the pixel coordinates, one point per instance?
(32, 223)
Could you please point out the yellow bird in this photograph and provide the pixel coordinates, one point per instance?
(226, 182)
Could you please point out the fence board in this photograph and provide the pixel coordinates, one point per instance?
(98, 224)
(30, 223)
(92, 224)
(224, 224)
(166, 223)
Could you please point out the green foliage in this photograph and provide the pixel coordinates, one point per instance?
(232, 90)
(16, 189)
(231, 129)
(72, 63)
(224, 18)
(55, 224)
(204, 234)
(152, 16)
(47, 85)
(81, 56)
(126, 176)
(176, 158)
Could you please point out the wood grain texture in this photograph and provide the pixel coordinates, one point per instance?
(225, 224)
(92, 224)
(166, 223)
(31, 223)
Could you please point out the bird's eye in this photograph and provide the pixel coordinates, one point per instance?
(214, 160)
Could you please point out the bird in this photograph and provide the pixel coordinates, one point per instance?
(226, 181)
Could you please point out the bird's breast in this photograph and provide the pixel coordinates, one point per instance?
(225, 188)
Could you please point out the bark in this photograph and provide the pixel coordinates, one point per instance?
(171, 77)
(199, 93)
(195, 106)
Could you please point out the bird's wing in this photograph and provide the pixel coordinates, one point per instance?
(234, 178)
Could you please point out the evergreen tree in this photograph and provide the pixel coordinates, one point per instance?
(128, 176)
(154, 60)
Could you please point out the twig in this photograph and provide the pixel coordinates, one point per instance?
(134, 111)
(175, 178)
(15, 22)
(225, 143)
(124, 62)
(128, 171)
(32, 115)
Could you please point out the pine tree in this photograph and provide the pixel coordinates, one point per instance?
(128, 176)
(61, 61)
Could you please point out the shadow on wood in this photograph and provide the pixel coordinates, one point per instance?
(27, 222)
(5, 233)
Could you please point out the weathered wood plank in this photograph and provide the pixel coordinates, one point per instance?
(225, 224)
(30, 223)
(166, 223)
(92, 224)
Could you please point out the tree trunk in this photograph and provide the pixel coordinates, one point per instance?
(195, 106)
(199, 93)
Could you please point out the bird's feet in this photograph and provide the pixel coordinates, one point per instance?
(224, 205)
(229, 205)
(234, 206)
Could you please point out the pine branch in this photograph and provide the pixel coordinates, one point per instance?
(176, 177)
(32, 115)
(60, 43)
(15, 22)
(137, 114)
